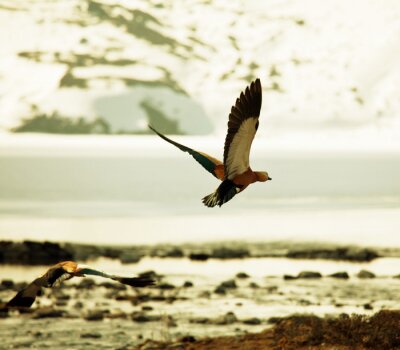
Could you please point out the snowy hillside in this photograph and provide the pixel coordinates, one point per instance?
(180, 64)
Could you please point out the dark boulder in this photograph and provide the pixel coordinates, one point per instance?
(230, 284)
(309, 275)
(254, 285)
(254, 321)
(199, 256)
(95, 315)
(130, 257)
(7, 284)
(229, 253)
(141, 317)
(174, 252)
(242, 275)
(340, 275)
(165, 286)
(347, 254)
(365, 274)
(222, 288)
(226, 319)
(188, 339)
(289, 277)
(368, 306)
(187, 284)
(47, 312)
(91, 335)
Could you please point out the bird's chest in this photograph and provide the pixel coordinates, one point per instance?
(245, 179)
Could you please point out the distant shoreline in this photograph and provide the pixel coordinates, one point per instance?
(43, 253)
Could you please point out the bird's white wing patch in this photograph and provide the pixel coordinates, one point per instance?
(61, 279)
(237, 161)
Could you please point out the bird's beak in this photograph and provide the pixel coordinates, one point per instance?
(270, 178)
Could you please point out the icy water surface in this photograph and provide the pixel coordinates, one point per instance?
(140, 190)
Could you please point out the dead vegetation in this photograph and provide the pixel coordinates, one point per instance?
(380, 331)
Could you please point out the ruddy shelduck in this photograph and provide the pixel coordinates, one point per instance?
(64, 271)
(235, 172)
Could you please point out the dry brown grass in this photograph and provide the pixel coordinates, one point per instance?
(380, 331)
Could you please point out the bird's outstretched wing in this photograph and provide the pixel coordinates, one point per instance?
(211, 164)
(141, 281)
(25, 297)
(242, 127)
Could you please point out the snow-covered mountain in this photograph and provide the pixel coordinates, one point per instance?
(180, 64)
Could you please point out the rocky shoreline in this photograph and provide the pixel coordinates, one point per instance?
(104, 315)
(195, 307)
(44, 253)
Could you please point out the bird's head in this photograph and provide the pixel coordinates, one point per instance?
(262, 176)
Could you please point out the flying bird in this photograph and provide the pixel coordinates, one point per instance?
(64, 271)
(234, 172)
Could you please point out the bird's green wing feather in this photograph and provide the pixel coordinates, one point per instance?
(131, 281)
(209, 163)
(93, 272)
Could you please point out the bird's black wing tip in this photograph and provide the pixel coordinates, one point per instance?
(20, 302)
(138, 281)
(256, 85)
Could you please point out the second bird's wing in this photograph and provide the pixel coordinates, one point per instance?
(25, 297)
(242, 127)
(211, 164)
(130, 281)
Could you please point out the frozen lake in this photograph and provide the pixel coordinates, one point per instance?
(141, 190)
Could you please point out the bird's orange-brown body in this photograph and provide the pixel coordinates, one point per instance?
(68, 266)
(245, 179)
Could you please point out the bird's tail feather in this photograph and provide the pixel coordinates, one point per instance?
(211, 200)
(224, 193)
